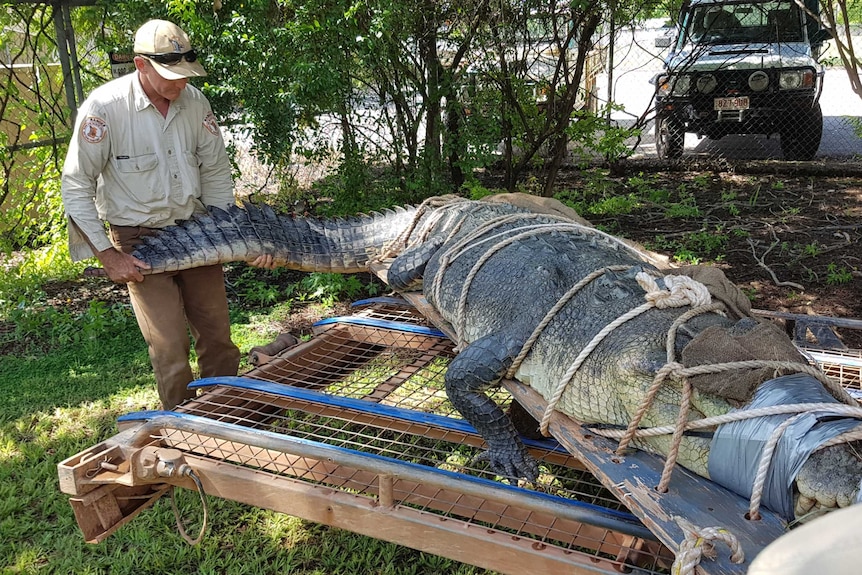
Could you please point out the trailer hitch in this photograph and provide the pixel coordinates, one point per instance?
(160, 462)
(111, 483)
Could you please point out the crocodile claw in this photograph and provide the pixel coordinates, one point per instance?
(511, 461)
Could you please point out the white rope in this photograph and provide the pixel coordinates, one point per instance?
(854, 434)
(472, 241)
(763, 466)
(552, 313)
(681, 291)
(439, 205)
(836, 409)
(698, 543)
(461, 314)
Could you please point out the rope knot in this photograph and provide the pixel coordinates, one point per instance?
(698, 543)
(681, 291)
(672, 370)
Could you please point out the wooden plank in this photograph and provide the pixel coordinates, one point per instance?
(74, 472)
(847, 322)
(633, 477)
(110, 507)
(80, 473)
(107, 509)
(400, 491)
(474, 544)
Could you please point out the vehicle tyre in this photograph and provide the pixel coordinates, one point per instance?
(800, 138)
(669, 138)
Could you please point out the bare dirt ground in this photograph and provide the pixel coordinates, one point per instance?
(792, 243)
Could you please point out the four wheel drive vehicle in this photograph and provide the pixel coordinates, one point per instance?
(746, 67)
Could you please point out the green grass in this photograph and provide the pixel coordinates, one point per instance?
(61, 394)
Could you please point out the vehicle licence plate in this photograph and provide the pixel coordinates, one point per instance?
(738, 103)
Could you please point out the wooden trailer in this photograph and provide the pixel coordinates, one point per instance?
(353, 429)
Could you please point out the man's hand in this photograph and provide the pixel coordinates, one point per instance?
(122, 267)
(265, 261)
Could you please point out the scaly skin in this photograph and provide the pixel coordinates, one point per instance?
(505, 301)
(610, 385)
(305, 244)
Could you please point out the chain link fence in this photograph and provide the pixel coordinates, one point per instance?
(36, 121)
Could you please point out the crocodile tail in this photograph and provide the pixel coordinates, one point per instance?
(343, 245)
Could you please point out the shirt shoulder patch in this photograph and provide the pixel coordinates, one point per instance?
(93, 129)
(211, 124)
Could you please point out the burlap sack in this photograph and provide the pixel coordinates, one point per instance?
(748, 340)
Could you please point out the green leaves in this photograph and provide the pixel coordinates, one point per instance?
(328, 288)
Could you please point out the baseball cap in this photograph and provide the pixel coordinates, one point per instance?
(168, 49)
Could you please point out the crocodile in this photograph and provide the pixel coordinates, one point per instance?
(560, 306)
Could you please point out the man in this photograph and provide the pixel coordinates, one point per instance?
(147, 151)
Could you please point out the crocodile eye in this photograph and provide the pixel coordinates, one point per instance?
(647, 363)
(612, 287)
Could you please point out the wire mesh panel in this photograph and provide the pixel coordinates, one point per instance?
(402, 368)
(844, 366)
(378, 392)
(353, 429)
(417, 443)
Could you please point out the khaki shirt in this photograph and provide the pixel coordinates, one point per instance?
(129, 166)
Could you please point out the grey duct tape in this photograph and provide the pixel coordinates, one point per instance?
(736, 448)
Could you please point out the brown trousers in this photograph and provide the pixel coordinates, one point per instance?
(169, 305)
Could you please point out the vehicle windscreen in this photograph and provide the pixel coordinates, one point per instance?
(744, 23)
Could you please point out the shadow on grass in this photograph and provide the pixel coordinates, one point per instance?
(71, 376)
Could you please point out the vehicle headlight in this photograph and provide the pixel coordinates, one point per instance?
(706, 83)
(795, 79)
(680, 85)
(758, 81)
(673, 85)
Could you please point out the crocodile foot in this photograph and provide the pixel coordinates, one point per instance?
(510, 461)
(831, 478)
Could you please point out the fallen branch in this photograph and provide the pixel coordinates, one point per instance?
(762, 264)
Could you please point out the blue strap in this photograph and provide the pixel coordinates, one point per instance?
(383, 324)
(396, 301)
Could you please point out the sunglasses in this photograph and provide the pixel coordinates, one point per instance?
(172, 58)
